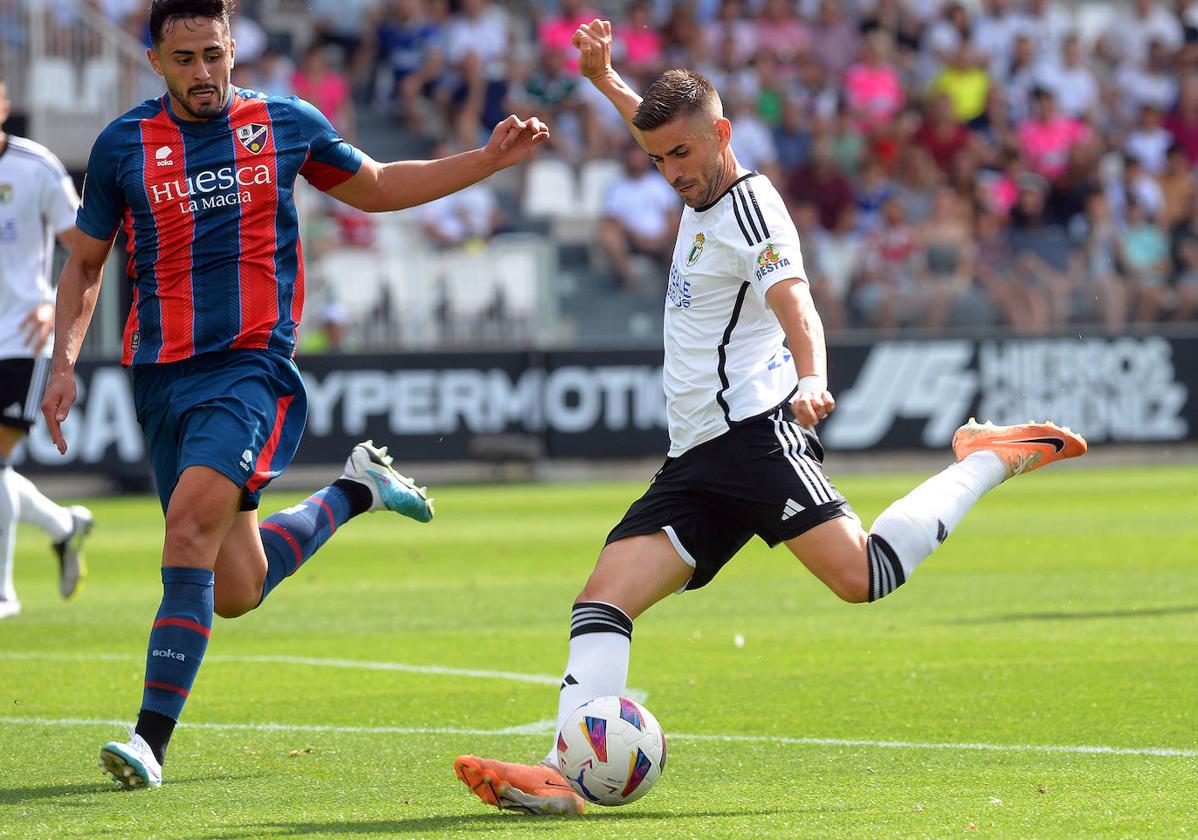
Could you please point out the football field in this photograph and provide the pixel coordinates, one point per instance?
(1038, 677)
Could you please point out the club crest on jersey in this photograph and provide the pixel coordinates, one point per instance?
(770, 260)
(5, 193)
(253, 136)
(696, 249)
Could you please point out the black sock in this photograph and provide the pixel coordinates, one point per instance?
(156, 730)
(357, 493)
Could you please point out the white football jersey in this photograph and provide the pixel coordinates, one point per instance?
(725, 361)
(37, 202)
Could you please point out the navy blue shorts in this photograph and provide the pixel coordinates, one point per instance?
(241, 413)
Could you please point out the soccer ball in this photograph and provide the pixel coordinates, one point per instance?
(611, 750)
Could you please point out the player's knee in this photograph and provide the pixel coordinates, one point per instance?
(233, 607)
(851, 584)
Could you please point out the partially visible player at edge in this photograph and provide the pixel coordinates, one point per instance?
(201, 178)
(741, 408)
(37, 203)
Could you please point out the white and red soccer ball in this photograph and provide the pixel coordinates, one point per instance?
(611, 750)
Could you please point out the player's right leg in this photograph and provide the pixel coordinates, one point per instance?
(631, 575)
(202, 508)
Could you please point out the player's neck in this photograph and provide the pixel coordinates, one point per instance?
(181, 114)
(730, 171)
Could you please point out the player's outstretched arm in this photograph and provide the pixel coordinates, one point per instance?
(78, 289)
(792, 304)
(379, 187)
(593, 41)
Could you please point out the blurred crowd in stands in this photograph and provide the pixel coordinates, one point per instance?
(946, 163)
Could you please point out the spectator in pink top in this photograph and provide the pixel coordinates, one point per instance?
(554, 33)
(1047, 137)
(1183, 122)
(780, 31)
(321, 85)
(639, 41)
(872, 87)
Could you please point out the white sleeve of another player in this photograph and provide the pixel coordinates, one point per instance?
(767, 242)
(59, 201)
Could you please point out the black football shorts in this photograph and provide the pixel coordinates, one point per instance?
(22, 384)
(764, 476)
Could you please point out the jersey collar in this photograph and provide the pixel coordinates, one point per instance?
(216, 122)
(717, 200)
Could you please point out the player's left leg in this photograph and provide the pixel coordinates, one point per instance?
(255, 558)
(67, 528)
(860, 566)
(9, 512)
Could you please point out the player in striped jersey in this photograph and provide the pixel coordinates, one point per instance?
(37, 204)
(746, 382)
(201, 181)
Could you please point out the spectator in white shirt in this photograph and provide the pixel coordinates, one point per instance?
(640, 216)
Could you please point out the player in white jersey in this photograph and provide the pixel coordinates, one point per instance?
(744, 459)
(37, 203)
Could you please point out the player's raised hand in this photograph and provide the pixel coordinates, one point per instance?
(813, 402)
(513, 139)
(37, 326)
(593, 42)
(56, 405)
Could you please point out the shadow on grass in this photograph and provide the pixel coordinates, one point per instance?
(16, 795)
(1079, 616)
(477, 823)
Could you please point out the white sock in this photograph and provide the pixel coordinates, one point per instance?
(38, 510)
(9, 509)
(913, 527)
(600, 645)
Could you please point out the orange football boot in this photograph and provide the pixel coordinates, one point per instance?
(1022, 448)
(533, 789)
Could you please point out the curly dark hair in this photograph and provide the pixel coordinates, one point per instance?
(164, 11)
(675, 93)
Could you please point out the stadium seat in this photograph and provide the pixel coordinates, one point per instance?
(53, 81)
(550, 189)
(595, 177)
(355, 278)
(100, 86)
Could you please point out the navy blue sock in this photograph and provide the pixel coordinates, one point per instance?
(291, 536)
(178, 640)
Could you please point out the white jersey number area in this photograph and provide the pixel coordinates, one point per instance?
(725, 361)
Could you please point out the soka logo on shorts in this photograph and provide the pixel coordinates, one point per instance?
(171, 654)
(247, 458)
(770, 260)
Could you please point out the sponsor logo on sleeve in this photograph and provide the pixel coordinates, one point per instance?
(769, 261)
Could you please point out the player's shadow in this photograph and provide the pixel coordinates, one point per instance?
(1082, 615)
(475, 823)
(72, 793)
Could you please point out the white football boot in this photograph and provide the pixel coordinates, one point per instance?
(132, 764)
(72, 568)
(8, 609)
(388, 489)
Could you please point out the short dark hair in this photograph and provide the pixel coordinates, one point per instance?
(163, 12)
(675, 93)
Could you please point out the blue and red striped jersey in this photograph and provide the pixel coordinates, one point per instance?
(209, 212)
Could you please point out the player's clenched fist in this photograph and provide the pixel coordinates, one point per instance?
(813, 402)
(593, 41)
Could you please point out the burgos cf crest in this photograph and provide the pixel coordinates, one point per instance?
(696, 249)
(6, 195)
(253, 136)
(770, 260)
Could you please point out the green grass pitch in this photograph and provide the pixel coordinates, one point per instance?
(1063, 613)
